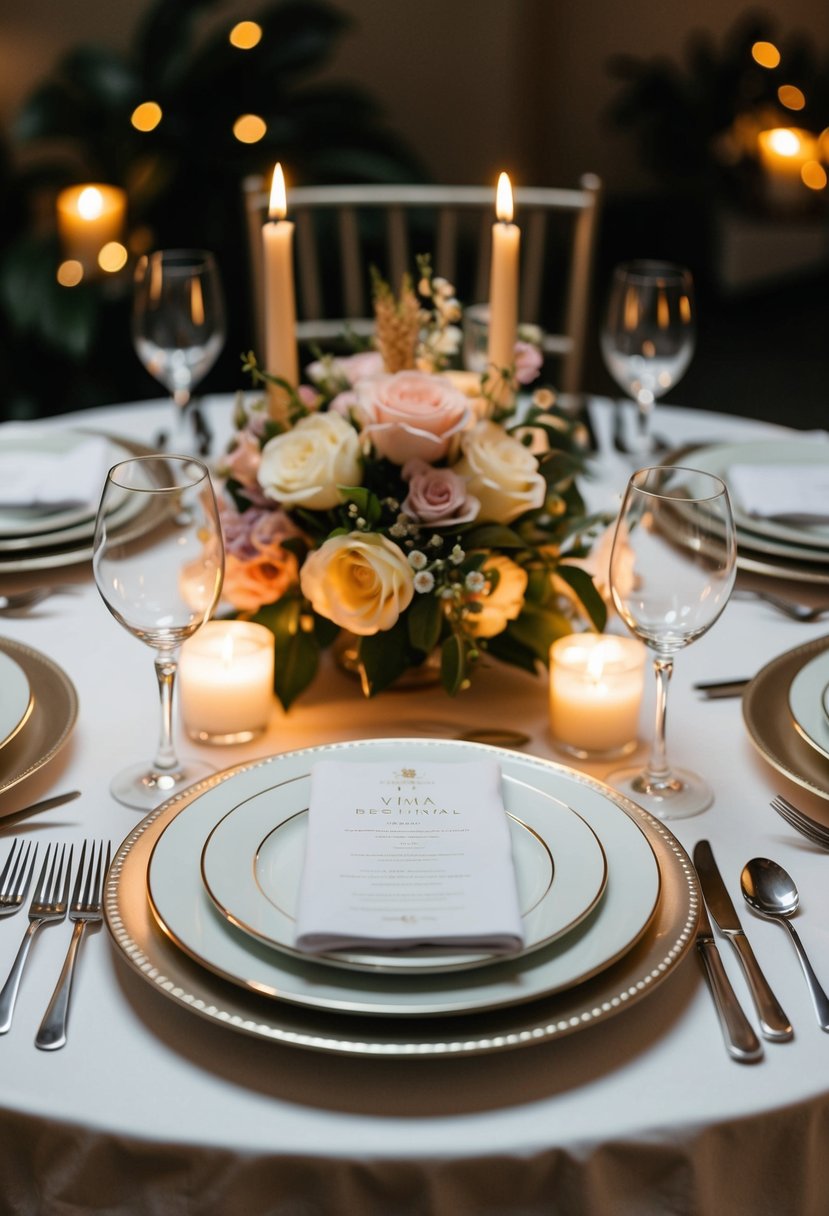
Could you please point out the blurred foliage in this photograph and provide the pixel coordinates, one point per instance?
(64, 348)
(695, 123)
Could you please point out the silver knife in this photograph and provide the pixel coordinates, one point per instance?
(36, 807)
(740, 1039)
(773, 1022)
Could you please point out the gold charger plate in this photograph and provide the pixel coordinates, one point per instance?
(770, 726)
(134, 931)
(50, 722)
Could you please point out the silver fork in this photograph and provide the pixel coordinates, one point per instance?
(16, 876)
(19, 601)
(84, 909)
(797, 819)
(790, 608)
(47, 907)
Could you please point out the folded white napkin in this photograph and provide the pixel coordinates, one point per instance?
(402, 854)
(45, 480)
(788, 493)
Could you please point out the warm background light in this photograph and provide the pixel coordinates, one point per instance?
(813, 175)
(245, 35)
(70, 273)
(249, 128)
(766, 54)
(89, 216)
(790, 96)
(147, 116)
(113, 257)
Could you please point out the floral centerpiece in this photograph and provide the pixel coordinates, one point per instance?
(404, 503)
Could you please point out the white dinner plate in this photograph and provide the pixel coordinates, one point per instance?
(185, 911)
(16, 701)
(720, 458)
(252, 865)
(36, 522)
(807, 697)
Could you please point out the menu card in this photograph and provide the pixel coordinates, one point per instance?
(402, 854)
(788, 493)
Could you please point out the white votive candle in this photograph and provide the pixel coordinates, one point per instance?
(226, 682)
(596, 685)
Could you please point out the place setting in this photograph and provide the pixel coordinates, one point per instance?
(51, 487)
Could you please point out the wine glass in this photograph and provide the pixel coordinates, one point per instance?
(648, 335)
(672, 568)
(178, 325)
(161, 580)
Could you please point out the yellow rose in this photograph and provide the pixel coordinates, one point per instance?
(503, 603)
(501, 473)
(305, 466)
(360, 581)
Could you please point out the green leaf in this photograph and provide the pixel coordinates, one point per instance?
(383, 657)
(366, 502)
(424, 619)
(296, 652)
(537, 628)
(581, 582)
(493, 536)
(508, 649)
(453, 664)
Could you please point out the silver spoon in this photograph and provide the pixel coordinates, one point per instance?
(769, 890)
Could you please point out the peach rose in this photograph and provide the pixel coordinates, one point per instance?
(411, 414)
(501, 473)
(306, 465)
(503, 603)
(259, 580)
(360, 581)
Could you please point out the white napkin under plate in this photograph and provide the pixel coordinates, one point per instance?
(45, 480)
(403, 854)
(787, 493)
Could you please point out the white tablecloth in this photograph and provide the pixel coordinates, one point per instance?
(150, 1109)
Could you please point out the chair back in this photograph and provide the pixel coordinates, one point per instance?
(342, 230)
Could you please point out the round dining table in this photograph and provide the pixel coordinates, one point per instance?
(151, 1108)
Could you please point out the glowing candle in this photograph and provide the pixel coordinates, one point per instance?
(503, 288)
(280, 302)
(89, 217)
(226, 681)
(784, 153)
(596, 687)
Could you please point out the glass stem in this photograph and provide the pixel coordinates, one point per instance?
(165, 671)
(658, 772)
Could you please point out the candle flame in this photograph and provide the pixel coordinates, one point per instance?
(503, 200)
(784, 141)
(227, 649)
(279, 202)
(90, 203)
(596, 664)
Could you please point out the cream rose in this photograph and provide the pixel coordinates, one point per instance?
(411, 414)
(503, 603)
(501, 473)
(306, 465)
(360, 581)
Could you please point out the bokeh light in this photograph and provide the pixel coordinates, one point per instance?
(245, 35)
(813, 175)
(69, 273)
(249, 128)
(113, 257)
(147, 116)
(790, 96)
(766, 54)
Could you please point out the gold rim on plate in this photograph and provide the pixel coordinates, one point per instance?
(770, 726)
(51, 721)
(154, 957)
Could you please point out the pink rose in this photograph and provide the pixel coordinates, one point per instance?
(345, 368)
(437, 496)
(528, 362)
(411, 414)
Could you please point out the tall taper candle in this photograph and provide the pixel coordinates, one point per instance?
(280, 301)
(503, 289)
